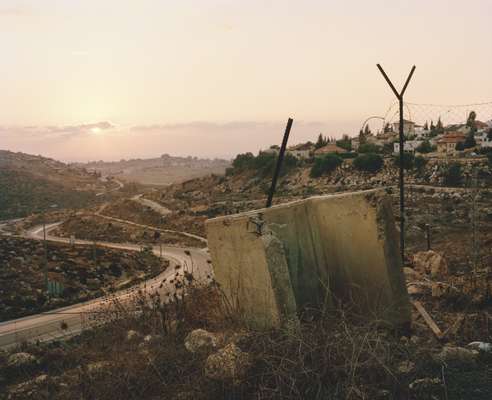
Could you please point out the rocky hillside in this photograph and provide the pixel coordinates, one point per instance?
(84, 271)
(33, 183)
(162, 170)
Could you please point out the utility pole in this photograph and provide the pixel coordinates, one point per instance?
(399, 96)
(279, 162)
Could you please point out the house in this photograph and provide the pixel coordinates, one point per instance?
(355, 142)
(483, 140)
(301, 151)
(272, 150)
(386, 137)
(447, 143)
(329, 148)
(408, 127)
(408, 145)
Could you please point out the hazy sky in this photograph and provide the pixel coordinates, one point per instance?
(94, 79)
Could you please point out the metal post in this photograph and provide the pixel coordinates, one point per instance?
(399, 96)
(279, 162)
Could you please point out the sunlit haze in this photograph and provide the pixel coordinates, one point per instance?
(90, 79)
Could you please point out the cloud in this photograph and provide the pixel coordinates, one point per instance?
(54, 131)
(15, 12)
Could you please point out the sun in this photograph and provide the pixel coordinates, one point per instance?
(96, 130)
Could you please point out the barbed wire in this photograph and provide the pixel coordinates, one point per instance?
(422, 113)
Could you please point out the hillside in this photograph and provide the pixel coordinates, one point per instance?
(33, 183)
(162, 170)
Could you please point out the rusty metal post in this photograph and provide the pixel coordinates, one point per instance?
(279, 162)
(399, 96)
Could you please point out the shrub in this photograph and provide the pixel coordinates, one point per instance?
(460, 146)
(325, 164)
(408, 160)
(369, 162)
(369, 148)
(243, 161)
(453, 176)
(419, 163)
(425, 147)
(348, 155)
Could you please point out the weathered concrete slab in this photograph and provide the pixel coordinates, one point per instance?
(272, 263)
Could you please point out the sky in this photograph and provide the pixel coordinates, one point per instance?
(109, 79)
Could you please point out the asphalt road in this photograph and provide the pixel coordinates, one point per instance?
(71, 320)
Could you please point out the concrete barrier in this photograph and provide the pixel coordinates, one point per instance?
(273, 263)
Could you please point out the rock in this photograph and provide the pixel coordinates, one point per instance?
(200, 341)
(457, 356)
(438, 289)
(411, 274)
(228, 364)
(98, 366)
(414, 289)
(21, 360)
(430, 262)
(40, 379)
(131, 335)
(480, 346)
(151, 339)
(406, 367)
(425, 385)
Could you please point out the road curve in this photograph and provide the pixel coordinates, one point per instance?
(71, 320)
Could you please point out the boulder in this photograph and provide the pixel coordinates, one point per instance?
(200, 341)
(21, 360)
(430, 262)
(457, 356)
(411, 274)
(229, 364)
(131, 335)
(425, 385)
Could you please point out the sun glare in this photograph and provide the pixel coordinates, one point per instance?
(96, 130)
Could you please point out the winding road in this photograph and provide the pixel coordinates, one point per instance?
(72, 320)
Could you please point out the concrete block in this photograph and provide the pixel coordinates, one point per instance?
(273, 263)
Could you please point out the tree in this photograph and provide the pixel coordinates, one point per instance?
(325, 164)
(489, 134)
(419, 163)
(387, 128)
(471, 121)
(426, 126)
(425, 147)
(439, 126)
(408, 160)
(363, 134)
(369, 148)
(243, 161)
(489, 157)
(453, 175)
(470, 141)
(345, 143)
(321, 142)
(369, 162)
(460, 146)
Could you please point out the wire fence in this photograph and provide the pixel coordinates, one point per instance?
(421, 114)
